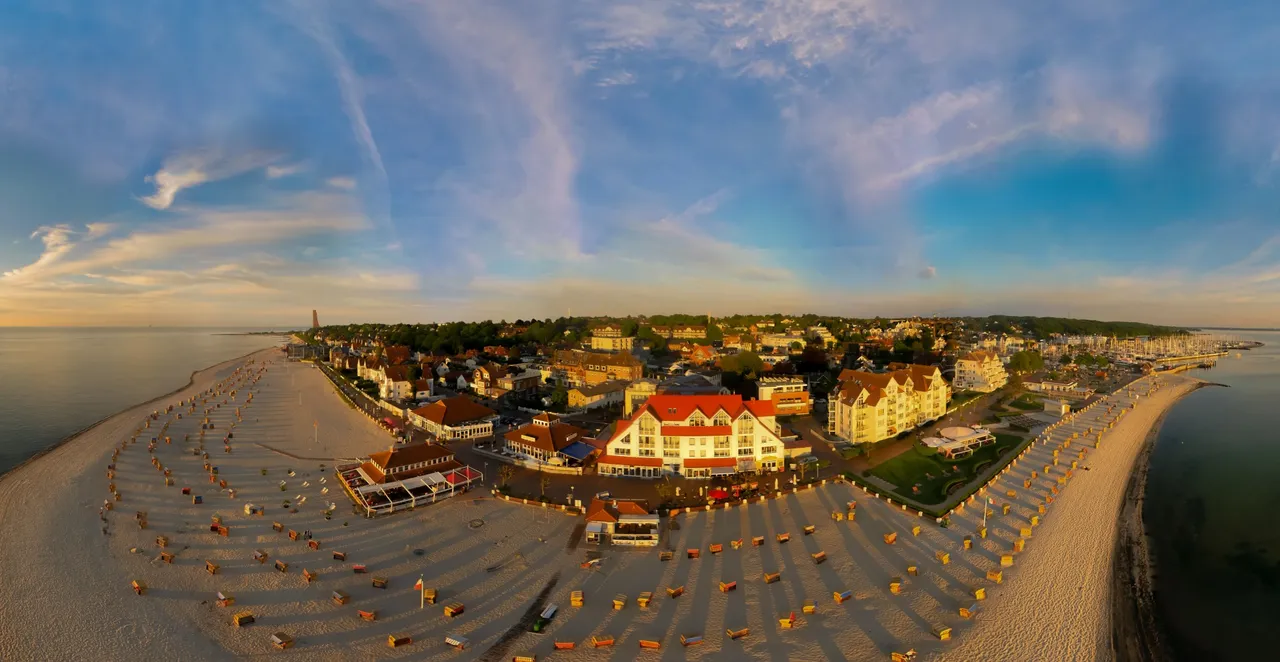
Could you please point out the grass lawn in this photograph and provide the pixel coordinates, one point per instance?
(912, 467)
(1027, 403)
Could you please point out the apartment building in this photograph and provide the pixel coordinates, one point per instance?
(582, 368)
(980, 371)
(609, 338)
(869, 406)
(789, 394)
(691, 332)
(696, 436)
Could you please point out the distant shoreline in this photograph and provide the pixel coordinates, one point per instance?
(71, 437)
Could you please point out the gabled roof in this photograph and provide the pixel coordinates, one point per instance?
(854, 382)
(394, 458)
(981, 356)
(678, 407)
(611, 511)
(396, 373)
(454, 411)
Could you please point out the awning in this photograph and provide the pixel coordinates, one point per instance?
(578, 450)
(722, 471)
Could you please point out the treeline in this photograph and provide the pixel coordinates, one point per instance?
(457, 337)
(1043, 327)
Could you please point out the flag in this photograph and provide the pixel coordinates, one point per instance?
(418, 586)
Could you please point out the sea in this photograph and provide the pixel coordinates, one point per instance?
(1212, 511)
(56, 382)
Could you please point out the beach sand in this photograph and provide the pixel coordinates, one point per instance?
(67, 593)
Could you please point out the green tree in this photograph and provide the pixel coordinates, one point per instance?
(560, 396)
(797, 346)
(714, 333)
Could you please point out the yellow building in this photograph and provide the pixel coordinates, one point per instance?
(871, 406)
(609, 338)
(980, 371)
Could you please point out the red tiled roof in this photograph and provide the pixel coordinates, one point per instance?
(406, 455)
(454, 411)
(708, 462)
(679, 407)
(627, 460)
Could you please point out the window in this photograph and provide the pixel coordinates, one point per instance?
(768, 450)
(722, 419)
(645, 452)
(747, 451)
(722, 442)
(746, 425)
(697, 419)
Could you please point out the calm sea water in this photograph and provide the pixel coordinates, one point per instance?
(54, 382)
(1213, 492)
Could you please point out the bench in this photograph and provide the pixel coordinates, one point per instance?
(260, 556)
(819, 557)
(694, 553)
(524, 658)
(716, 548)
(380, 582)
(564, 645)
(644, 599)
(771, 577)
(842, 597)
(575, 598)
(370, 615)
(277, 527)
(225, 599)
(650, 644)
(969, 612)
(139, 586)
(675, 592)
(282, 566)
(619, 601)
(808, 530)
(783, 537)
(895, 585)
(242, 619)
(281, 641)
(602, 640)
(457, 641)
(736, 544)
(726, 587)
(996, 576)
(664, 556)
(211, 567)
(809, 607)
(757, 541)
(454, 610)
(394, 642)
(339, 598)
(308, 576)
(943, 633)
(358, 569)
(339, 556)
(429, 596)
(166, 557)
(690, 639)
(738, 634)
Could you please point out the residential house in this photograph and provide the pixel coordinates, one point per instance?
(869, 406)
(789, 395)
(368, 367)
(520, 381)
(548, 440)
(702, 354)
(980, 371)
(455, 418)
(609, 338)
(697, 436)
(485, 380)
(600, 395)
(394, 383)
(397, 354)
(621, 522)
(423, 389)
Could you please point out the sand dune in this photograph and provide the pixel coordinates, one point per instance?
(71, 598)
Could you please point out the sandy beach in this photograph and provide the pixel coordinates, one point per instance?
(70, 595)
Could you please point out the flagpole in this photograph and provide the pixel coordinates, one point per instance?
(422, 593)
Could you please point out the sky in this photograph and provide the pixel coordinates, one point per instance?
(240, 164)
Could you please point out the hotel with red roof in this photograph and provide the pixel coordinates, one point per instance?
(697, 436)
(870, 406)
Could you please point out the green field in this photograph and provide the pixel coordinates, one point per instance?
(914, 467)
(1027, 402)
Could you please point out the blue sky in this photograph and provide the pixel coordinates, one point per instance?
(242, 163)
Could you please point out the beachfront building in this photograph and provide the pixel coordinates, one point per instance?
(619, 522)
(609, 338)
(520, 381)
(635, 395)
(600, 395)
(393, 382)
(406, 477)
(870, 406)
(582, 368)
(696, 436)
(960, 442)
(548, 440)
(980, 371)
(789, 394)
(455, 418)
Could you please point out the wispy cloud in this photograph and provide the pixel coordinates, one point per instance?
(285, 170)
(343, 183)
(195, 168)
